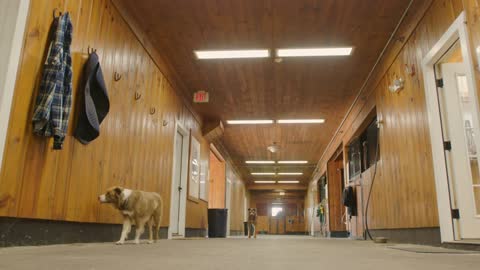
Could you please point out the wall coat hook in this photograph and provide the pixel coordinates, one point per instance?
(152, 110)
(117, 76)
(56, 13)
(91, 50)
(410, 69)
(137, 95)
(164, 123)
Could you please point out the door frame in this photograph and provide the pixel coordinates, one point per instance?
(179, 128)
(14, 30)
(228, 201)
(457, 31)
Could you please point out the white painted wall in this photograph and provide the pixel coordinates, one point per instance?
(13, 18)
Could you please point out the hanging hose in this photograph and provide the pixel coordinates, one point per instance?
(367, 231)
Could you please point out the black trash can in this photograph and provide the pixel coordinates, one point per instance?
(245, 228)
(217, 223)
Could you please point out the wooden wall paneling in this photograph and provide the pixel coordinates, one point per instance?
(298, 225)
(134, 149)
(196, 215)
(237, 204)
(263, 202)
(216, 194)
(14, 150)
(263, 224)
(335, 207)
(404, 183)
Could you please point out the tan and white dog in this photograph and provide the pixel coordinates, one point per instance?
(252, 222)
(137, 207)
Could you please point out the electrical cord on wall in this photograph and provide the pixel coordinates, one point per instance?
(367, 231)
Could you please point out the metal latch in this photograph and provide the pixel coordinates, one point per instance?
(447, 145)
(455, 214)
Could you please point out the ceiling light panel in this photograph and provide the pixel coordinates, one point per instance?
(249, 122)
(340, 51)
(232, 54)
(263, 173)
(301, 121)
(289, 182)
(260, 162)
(290, 173)
(292, 162)
(265, 182)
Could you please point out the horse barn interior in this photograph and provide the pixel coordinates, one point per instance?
(275, 133)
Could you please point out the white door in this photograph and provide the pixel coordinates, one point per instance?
(314, 210)
(228, 195)
(459, 114)
(177, 215)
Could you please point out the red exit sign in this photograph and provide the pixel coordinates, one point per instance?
(200, 97)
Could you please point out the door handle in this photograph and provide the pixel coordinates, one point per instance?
(180, 188)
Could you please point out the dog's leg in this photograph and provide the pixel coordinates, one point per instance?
(140, 223)
(157, 231)
(156, 222)
(157, 219)
(254, 231)
(127, 225)
(150, 230)
(249, 230)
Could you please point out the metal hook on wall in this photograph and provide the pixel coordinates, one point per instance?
(137, 95)
(164, 123)
(152, 110)
(55, 12)
(91, 50)
(117, 76)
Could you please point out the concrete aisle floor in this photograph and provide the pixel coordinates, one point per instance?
(265, 253)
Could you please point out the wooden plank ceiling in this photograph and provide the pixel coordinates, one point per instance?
(319, 87)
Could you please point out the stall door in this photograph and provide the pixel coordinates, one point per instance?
(459, 116)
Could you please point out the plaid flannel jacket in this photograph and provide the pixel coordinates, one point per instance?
(54, 99)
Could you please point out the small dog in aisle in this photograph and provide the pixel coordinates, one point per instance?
(252, 222)
(137, 207)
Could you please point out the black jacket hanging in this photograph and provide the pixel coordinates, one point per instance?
(350, 200)
(95, 103)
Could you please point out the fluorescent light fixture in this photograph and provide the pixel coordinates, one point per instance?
(292, 162)
(301, 121)
(289, 182)
(290, 173)
(340, 51)
(230, 54)
(260, 162)
(282, 193)
(265, 182)
(249, 122)
(277, 203)
(263, 173)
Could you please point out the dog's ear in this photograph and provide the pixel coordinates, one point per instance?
(118, 190)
